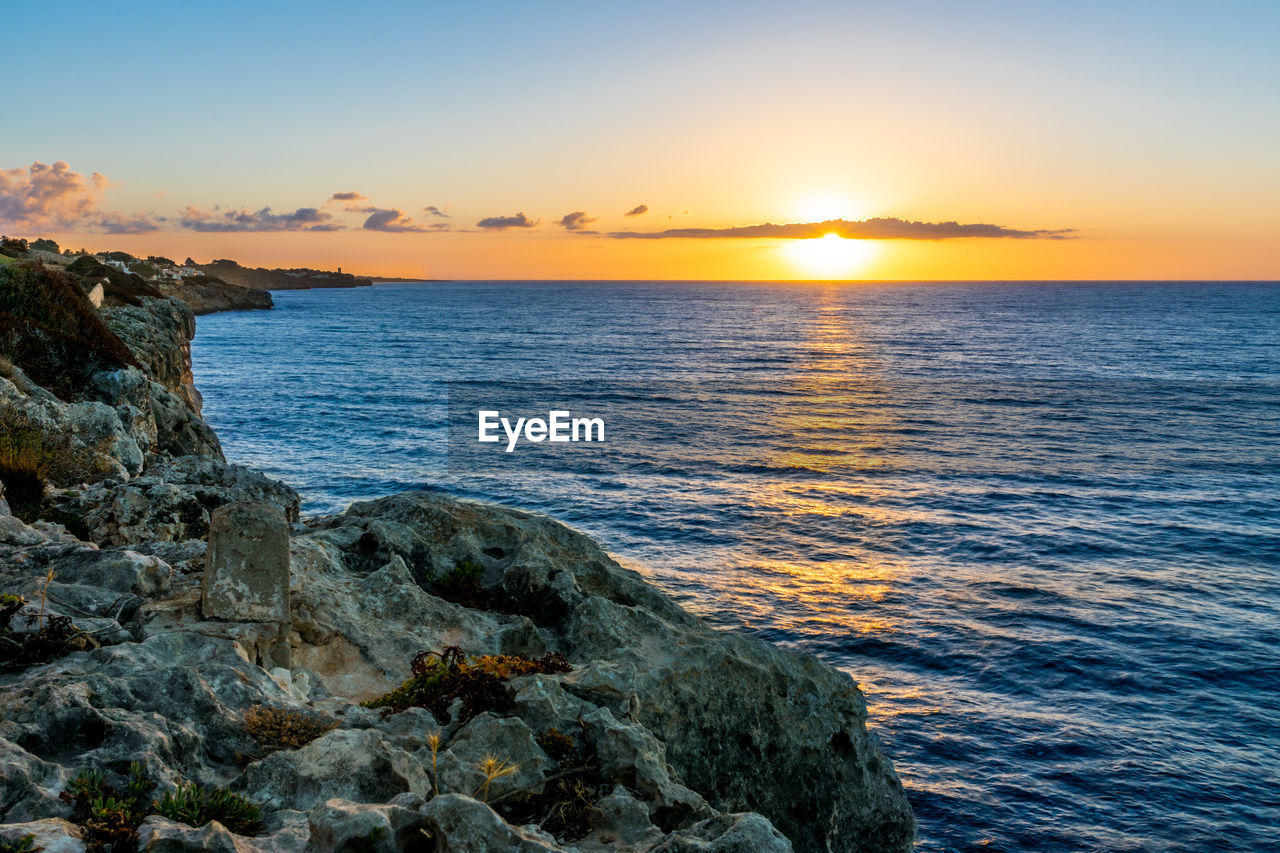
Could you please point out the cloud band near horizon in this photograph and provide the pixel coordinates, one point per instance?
(54, 197)
(878, 228)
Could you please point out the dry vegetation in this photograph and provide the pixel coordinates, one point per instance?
(280, 728)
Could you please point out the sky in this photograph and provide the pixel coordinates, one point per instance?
(930, 140)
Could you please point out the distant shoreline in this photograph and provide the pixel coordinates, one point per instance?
(383, 280)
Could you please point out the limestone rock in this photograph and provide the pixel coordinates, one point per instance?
(621, 823)
(710, 741)
(744, 724)
(52, 835)
(246, 576)
(361, 630)
(161, 835)
(14, 531)
(631, 755)
(506, 739)
(158, 332)
(735, 833)
(390, 828)
(29, 786)
(460, 824)
(359, 766)
(172, 501)
(123, 572)
(180, 431)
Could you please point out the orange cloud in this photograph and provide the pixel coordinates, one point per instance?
(44, 196)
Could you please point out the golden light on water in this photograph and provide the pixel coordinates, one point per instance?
(830, 256)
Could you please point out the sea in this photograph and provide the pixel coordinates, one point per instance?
(1038, 523)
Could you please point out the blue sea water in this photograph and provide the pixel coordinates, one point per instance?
(1038, 523)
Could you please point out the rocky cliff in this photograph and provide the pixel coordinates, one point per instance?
(559, 702)
(207, 295)
(260, 278)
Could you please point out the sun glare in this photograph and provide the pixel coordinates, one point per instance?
(830, 256)
(826, 206)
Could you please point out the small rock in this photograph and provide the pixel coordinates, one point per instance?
(731, 833)
(341, 825)
(463, 825)
(47, 836)
(621, 822)
(358, 766)
(118, 571)
(161, 835)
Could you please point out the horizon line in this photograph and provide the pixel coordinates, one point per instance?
(377, 280)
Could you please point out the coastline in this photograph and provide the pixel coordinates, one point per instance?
(682, 735)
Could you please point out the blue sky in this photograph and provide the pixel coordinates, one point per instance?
(722, 109)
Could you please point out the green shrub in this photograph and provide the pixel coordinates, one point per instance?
(25, 844)
(122, 288)
(145, 269)
(44, 244)
(108, 817)
(195, 805)
(14, 247)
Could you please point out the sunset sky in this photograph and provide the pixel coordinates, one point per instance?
(1110, 140)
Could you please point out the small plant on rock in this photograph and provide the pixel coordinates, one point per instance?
(564, 807)
(53, 637)
(433, 741)
(461, 585)
(558, 746)
(514, 666)
(282, 728)
(196, 805)
(493, 769)
(439, 678)
(108, 817)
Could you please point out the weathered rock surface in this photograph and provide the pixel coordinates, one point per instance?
(160, 835)
(713, 741)
(744, 724)
(342, 825)
(171, 501)
(52, 835)
(246, 571)
(460, 824)
(159, 333)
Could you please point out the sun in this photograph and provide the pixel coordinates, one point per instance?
(830, 256)
(827, 205)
